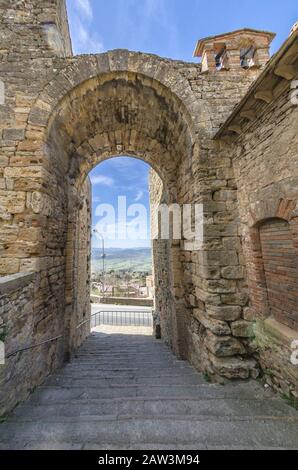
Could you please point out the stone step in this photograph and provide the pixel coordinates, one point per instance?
(122, 374)
(130, 392)
(247, 409)
(49, 445)
(60, 394)
(100, 365)
(125, 362)
(119, 342)
(130, 430)
(90, 381)
(118, 369)
(130, 357)
(98, 347)
(151, 375)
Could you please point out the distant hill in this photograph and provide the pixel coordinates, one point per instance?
(134, 259)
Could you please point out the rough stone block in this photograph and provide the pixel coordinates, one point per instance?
(224, 346)
(209, 299)
(13, 134)
(239, 298)
(218, 327)
(233, 272)
(220, 286)
(225, 195)
(225, 313)
(12, 202)
(9, 266)
(242, 329)
(234, 368)
(248, 314)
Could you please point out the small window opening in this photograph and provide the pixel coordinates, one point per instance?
(221, 59)
(247, 57)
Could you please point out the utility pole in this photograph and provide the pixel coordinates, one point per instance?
(103, 260)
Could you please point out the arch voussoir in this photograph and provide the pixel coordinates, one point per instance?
(80, 69)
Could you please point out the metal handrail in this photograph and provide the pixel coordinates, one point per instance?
(83, 323)
(78, 326)
(130, 317)
(88, 320)
(33, 346)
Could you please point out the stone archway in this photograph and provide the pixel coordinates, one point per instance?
(121, 102)
(111, 114)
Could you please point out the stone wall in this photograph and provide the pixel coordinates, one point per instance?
(63, 115)
(267, 178)
(81, 308)
(164, 317)
(31, 217)
(266, 170)
(32, 29)
(22, 326)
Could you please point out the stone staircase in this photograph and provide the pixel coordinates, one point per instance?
(128, 391)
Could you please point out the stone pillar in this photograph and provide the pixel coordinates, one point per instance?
(35, 28)
(208, 60)
(33, 33)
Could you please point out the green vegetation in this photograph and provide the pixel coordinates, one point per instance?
(136, 260)
(3, 334)
(207, 377)
(269, 372)
(291, 401)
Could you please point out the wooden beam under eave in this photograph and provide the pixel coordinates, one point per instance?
(235, 128)
(227, 138)
(288, 72)
(264, 95)
(249, 114)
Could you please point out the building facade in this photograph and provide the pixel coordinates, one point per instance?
(222, 133)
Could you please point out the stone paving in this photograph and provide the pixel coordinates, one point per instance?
(125, 390)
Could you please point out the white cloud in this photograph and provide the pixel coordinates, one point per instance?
(84, 37)
(135, 18)
(82, 33)
(139, 196)
(103, 180)
(123, 232)
(84, 7)
(86, 42)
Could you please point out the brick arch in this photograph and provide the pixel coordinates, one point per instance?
(272, 261)
(271, 207)
(280, 265)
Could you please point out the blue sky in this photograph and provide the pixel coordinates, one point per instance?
(169, 28)
(121, 177)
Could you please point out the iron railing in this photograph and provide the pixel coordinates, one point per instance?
(122, 318)
(111, 317)
(33, 346)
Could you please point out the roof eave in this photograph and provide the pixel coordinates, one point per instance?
(268, 68)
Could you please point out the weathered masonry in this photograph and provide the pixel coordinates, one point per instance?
(231, 307)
